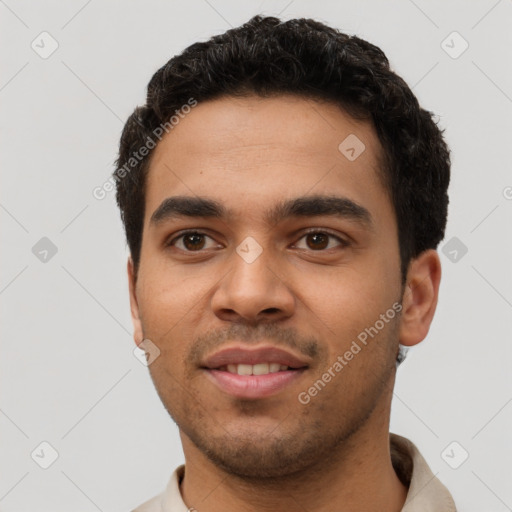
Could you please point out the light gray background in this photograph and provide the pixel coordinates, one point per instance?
(68, 373)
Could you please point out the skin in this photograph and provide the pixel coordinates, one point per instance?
(275, 453)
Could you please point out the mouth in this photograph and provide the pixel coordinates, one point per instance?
(253, 374)
(254, 369)
(253, 386)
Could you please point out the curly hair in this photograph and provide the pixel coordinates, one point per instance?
(268, 57)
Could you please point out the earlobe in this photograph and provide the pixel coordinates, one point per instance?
(138, 335)
(420, 297)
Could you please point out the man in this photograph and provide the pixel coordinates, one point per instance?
(283, 195)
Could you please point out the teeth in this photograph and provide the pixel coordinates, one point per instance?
(260, 369)
(244, 369)
(255, 369)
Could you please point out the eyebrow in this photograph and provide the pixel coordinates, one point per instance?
(306, 206)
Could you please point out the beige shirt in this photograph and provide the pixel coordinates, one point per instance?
(426, 493)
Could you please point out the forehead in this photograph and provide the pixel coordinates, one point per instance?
(250, 153)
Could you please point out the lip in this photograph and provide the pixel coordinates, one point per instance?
(253, 386)
(239, 354)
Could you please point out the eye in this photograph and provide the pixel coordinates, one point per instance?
(318, 240)
(315, 240)
(191, 241)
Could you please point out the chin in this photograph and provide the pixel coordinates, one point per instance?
(262, 453)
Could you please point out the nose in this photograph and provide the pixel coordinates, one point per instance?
(252, 292)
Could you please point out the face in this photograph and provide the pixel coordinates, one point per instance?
(264, 245)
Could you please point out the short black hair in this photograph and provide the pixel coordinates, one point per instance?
(267, 56)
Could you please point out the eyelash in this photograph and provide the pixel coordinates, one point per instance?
(343, 243)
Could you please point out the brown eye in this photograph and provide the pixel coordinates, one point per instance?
(317, 240)
(191, 241)
(320, 240)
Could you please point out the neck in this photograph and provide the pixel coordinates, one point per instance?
(359, 476)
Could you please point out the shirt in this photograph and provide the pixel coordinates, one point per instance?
(426, 493)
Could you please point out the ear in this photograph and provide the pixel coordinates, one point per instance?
(138, 335)
(420, 297)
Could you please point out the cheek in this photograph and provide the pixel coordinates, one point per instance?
(342, 302)
(169, 294)
(171, 305)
